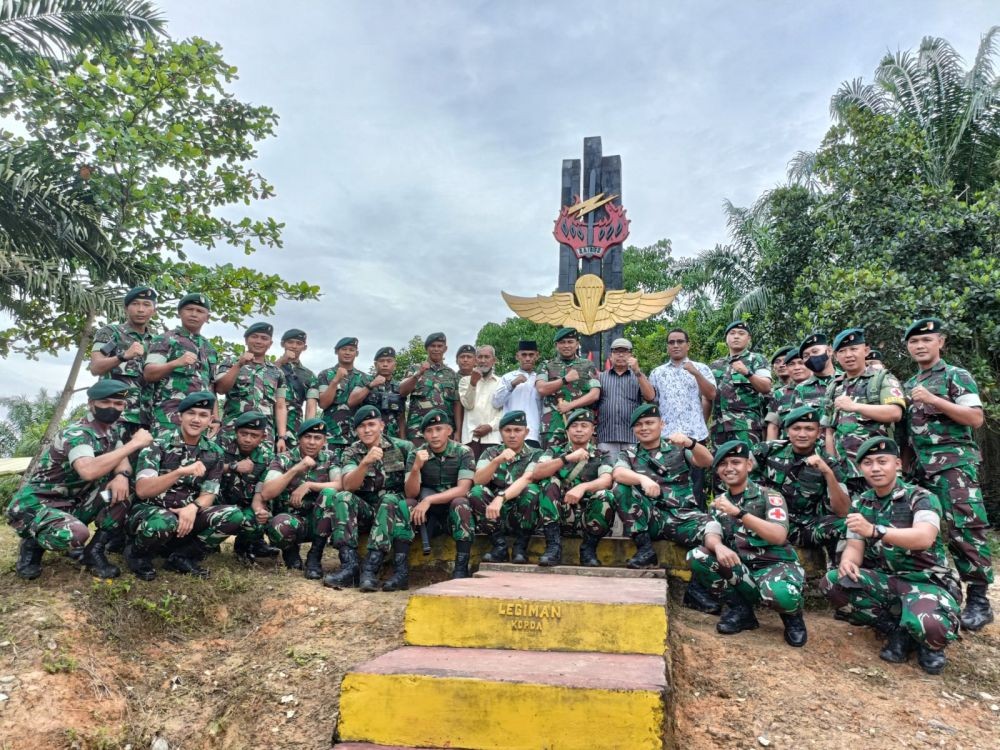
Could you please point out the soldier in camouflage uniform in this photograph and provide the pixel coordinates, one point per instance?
(817, 355)
(778, 367)
(301, 386)
(504, 496)
(373, 470)
(431, 385)
(438, 479)
(118, 352)
(465, 360)
(251, 383)
(176, 482)
(746, 556)
(575, 484)
(336, 384)
(565, 382)
(297, 485)
(382, 392)
(894, 574)
(64, 494)
(180, 362)
(247, 456)
(944, 408)
(783, 399)
(874, 359)
(743, 383)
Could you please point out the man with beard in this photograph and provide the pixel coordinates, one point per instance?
(430, 384)
(565, 382)
(743, 382)
(516, 391)
(301, 386)
(336, 384)
(783, 399)
(382, 392)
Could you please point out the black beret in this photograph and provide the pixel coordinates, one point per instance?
(848, 337)
(525, 345)
(517, 418)
(740, 324)
(801, 414)
(107, 388)
(566, 333)
(194, 298)
(876, 445)
(581, 414)
(436, 336)
(434, 416)
(259, 328)
(140, 292)
(874, 354)
(385, 351)
(643, 410)
(736, 448)
(924, 325)
(197, 400)
(293, 334)
(781, 353)
(466, 349)
(813, 339)
(365, 413)
(316, 424)
(253, 420)
(346, 341)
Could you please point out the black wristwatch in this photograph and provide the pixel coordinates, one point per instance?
(127, 474)
(878, 531)
(739, 516)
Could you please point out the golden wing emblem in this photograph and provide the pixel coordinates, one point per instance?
(625, 307)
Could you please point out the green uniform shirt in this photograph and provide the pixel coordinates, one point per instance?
(170, 452)
(385, 475)
(878, 387)
(237, 488)
(137, 401)
(325, 470)
(803, 487)
(754, 552)
(554, 369)
(507, 473)
(338, 414)
(258, 387)
(668, 466)
(54, 480)
(781, 401)
(737, 406)
(390, 403)
(812, 392)
(442, 471)
(437, 388)
(300, 386)
(179, 382)
(571, 474)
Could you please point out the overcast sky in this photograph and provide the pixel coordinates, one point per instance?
(418, 155)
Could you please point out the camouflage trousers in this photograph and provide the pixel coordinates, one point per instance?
(927, 611)
(553, 428)
(644, 514)
(57, 529)
(385, 515)
(455, 517)
(517, 515)
(153, 527)
(594, 513)
(816, 531)
(778, 585)
(965, 514)
(297, 525)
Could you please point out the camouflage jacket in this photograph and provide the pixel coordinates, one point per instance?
(443, 470)
(168, 392)
(938, 442)
(507, 474)
(738, 406)
(169, 452)
(236, 488)
(812, 392)
(436, 389)
(325, 470)
(386, 399)
(879, 387)
(258, 387)
(779, 403)
(556, 368)
(54, 480)
(339, 413)
(804, 488)
(668, 466)
(300, 386)
(137, 401)
(754, 552)
(385, 475)
(571, 474)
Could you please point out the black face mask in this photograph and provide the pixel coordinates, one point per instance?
(817, 362)
(107, 414)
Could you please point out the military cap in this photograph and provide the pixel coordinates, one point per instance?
(813, 339)
(876, 445)
(848, 337)
(924, 325)
(433, 417)
(140, 292)
(643, 410)
(581, 414)
(524, 345)
(316, 424)
(801, 414)
(621, 344)
(782, 352)
(253, 420)
(466, 349)
(873, 355)
(436, 336)
(346, 341)
(363, 414)
(107, 388)
(735, 448)
(196, 400)
(517, 418)
(259, 328)
(385, 351)
(195, 298)
(740, 324)
(793, 354)
(566, 333)
(293, 334)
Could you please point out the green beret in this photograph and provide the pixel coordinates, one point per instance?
(924, 325)
(873, 355)
(876, 445)
(643, 410)
(516, 418)
(740, 324)
(293, 334)
(436, 336)
(140, 292)
(196, 400)
(813, 339)
(385, 351)
(365, 413)
(793, 354)
(566, 333)
(259, 328)
(195, 298)
(251, 419)
(316, 424)
(577, 415)
(781, 353)
(801, 414)
(736, 448)
(346, 341)
(434, 416)
(849, 337)
(107, 388)
(466, 349)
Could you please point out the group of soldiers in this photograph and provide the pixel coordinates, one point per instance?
(294, 458)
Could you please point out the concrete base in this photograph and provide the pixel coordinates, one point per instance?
(570, 570)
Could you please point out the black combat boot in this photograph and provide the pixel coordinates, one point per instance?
(931, 660)
(795, 629)
(370, 570)
(899, 646)
(139, 561)
(520, 555)
(463, 551)
(978, 613)
(347, 576)
(737, 616)
(314, 560)
(75, 554)
(261, 548)
(553, 546)
(645, 555)
(184, 560)
(94, 559)
(400, 579)
(292, 557)
(243, 551)
(588, 551)
(29, 559)
(698, 598)
(116, 542)
(499, 553)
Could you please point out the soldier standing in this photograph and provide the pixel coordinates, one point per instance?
(778, 366)
(301, 386)
(336, 384)
(465, 359)
(874, 359)
(783, 399)
(565, 382)
(817, 355)
(382, 392)
(431, 384)
(743, 382)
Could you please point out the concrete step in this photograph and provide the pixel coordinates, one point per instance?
(571, 570)
(370, 746)
(541, 613)
(486, 699)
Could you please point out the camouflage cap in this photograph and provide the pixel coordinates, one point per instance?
(252, 420)
(466, 349)
(194, 298)
(140, 292)
(293, 334)
(924, 325)
(107, 389)
(801, 414)
(734, 448)
(643, 410)
(346, 341)
(848, 337)
(566, 333)
(259, 328)
(581, 415)
(316, 424)
(433, 417)
(517, 418)
(875, 446)
(436, 336)
(363, 414)
(737, 324)
(196, 400)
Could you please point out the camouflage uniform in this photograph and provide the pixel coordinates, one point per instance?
(137, 407)
(915, 588)
(442, 472)
(258, 387)
(553, 426)
(781, 401)
(290, 526)
(239, 489)
(518, 514)
(768, 573)
(55, 505)
(947, 463)
(738, 409)
(878, 387)
(300, 386)
(390, 403)
(152, 523)
(337, 416)
(435, 389)
(812, 392)
(168, 392)
(595, 512)
(379, 502)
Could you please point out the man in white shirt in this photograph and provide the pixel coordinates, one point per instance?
(516, 391)
(481, 424)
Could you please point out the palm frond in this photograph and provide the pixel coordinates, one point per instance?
(856, 93)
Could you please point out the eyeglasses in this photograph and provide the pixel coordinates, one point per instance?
(676, 342)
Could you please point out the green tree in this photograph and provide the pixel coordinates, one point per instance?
(24, 422)
(504, 337)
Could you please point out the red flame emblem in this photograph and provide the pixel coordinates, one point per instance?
(588, 235)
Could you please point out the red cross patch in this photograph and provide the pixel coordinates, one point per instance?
(777, 514)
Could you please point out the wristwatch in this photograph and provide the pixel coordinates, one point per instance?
(739, 516)
(879, 532)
